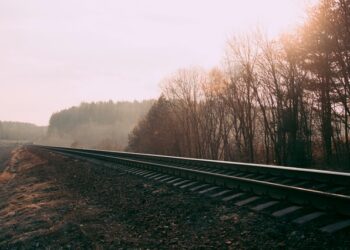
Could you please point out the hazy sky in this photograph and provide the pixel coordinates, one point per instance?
(58, 53)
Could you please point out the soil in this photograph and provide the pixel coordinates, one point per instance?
(50, 201)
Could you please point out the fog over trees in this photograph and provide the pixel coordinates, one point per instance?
(19, 131)
(284, 101)
(104, 125)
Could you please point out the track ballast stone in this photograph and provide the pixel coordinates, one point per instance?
(99, 207)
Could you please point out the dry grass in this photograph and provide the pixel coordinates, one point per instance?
(5, 177)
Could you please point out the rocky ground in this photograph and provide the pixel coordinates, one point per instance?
(49, 201)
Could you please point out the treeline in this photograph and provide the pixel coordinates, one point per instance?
(19, 131)
(284, 101)
(104, 125)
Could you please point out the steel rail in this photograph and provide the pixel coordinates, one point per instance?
(330, 177)
(302, 196)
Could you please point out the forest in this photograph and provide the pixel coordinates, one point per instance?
(282, 101)
(19, 131)
(103, 125)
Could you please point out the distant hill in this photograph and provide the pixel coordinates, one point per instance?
(98, 124)
(20, 131)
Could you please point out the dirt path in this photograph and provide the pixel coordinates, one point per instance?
(51, 201)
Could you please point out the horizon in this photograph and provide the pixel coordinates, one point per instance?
(75, 106)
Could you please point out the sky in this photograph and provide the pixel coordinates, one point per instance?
(56, 54)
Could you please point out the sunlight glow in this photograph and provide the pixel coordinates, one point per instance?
(55, 54)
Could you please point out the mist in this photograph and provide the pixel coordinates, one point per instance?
(102, 125)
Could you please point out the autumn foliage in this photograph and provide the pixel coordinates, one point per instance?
(284, 101)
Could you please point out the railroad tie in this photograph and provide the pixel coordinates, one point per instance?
(231, 197)
(265, 205)
(142, 173)
(155, 176)
(175, 180)
(286, 211)
(308, 217)
(161, 177)
(167, 178)
(208, 190)
(149, 175)
(188, 185)
(332, 228)
(199, 187)
(220, 193)
(246, 201)
(181, 182)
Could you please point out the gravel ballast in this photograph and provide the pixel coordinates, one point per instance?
(49, 201)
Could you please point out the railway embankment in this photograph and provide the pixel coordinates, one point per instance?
(48, 200)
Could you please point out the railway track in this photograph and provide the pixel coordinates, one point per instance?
(304, 195)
